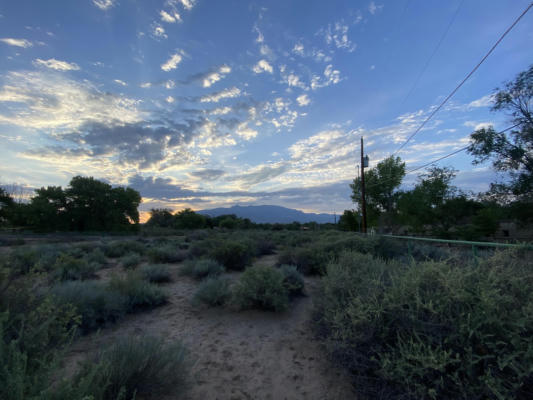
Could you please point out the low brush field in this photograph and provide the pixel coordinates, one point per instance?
(214, 314)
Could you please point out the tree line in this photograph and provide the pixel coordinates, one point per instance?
(87, 204)
(435, 206)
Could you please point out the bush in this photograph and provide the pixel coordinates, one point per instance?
(264, 246)
(97, 257)
(139, 294)
(21, 260)
(121, 248)
(262, 287)
(293, 280)
(96, 304)
(431, 330)
(68, 268)
(157, 273)
(232, 255)
(213, 291)
(308, 261)
(130, 261)
(199, 269)
(134, 366)
(167, 253)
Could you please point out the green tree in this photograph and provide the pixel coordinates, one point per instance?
(188, 219)
(510, 152)
(47, 210)
(349, 220)
(161, 217)
(6, 205)
(381, 186)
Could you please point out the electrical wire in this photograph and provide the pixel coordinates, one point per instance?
(465, 79)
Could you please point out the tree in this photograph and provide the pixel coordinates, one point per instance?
(349, 220)
(188, 219)
(381, 184)
(510, 152)
(161, 217)
(6, 204)
(47, 210)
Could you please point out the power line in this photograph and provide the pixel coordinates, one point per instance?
(440, 158)
(465, 79)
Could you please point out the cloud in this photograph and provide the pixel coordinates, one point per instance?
(262, 66)
(294, 80)
(298, 49)
(172, 62)
(170, 99)
(50, 100)
(260, 38)
(337, 35)
(210, 77)
(261, 174)
(303, 100)
(331, 77)
(223, 94)
(119, 82)
(485, 101)
(373, 8)
(245, 132)
(17, 42)
(56, 64)
(159, 32)
(104, 4)
(145, 85)
(166, 17)
(208, 174)
(187, 4)
(220, 111)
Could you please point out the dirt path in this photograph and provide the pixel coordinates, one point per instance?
(238, 355)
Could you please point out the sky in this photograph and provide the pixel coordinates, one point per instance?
(204, 103)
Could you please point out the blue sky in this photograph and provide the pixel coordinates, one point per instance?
(203, 104)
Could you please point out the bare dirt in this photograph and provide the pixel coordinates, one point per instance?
(237, 355)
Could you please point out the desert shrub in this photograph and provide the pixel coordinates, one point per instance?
(431, 330)
(309, 261)
(68, 268)
(133, 366)
(389, 248)
(261, 287)
(130, 261)
(232, 255)
(94, 302)
(96, 256)
(48, 256)
(264, 246)
(157, 273)
(122, 247)
(213, 291)
(22, 259)
(202, 268)
(292, 279)
(167, 253)
(196, 235)
(202, 248)
(139, 293)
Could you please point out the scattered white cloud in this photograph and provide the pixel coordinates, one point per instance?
(17, 42)
(145, 85)
(170, 99)
(266, 51)
(331, 77)
(373, 8)
(245, 132)
(119, 82)
(484, 101)
(167, 17)
(478, 125)
(159, 32)
(172, 62)
(263, 66)
(104, 4)
(294, 80)
(220, 111)
(187, 4)
(170, 84)
(372, 67)
(56, 64)
(223, 94)
(303, 100)
(50, 100)
(260, 38)
(215, 76)
(320, 56)
(298, 49)
(337, 35)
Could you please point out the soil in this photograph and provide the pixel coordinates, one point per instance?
(236, 354)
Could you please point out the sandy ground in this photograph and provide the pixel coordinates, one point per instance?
(237, 355)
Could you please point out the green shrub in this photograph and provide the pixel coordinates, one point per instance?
(96, 257)
(213, 291)
(200, 269)
(157, 273)
(262, 287)
(167, 253)
(22, 259)
(139, 293)
(121, 248)
(232, 255)
(265, 246)
(130, 261)
(431, 330)
(309, 261)
(96, 304)
(293, 280)
(133, 366)
(68, 268)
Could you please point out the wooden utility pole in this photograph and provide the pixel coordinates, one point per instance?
(363, 201)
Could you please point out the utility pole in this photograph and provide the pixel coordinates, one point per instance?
(363, 201)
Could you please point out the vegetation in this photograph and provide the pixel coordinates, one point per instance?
(130, 261)
(232, 255)
(292, 280)
(213, 291)
(262, 288)
(430, 330)
(157, 273)
(202, 268)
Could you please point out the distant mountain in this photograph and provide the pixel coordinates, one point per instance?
(270, 214)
